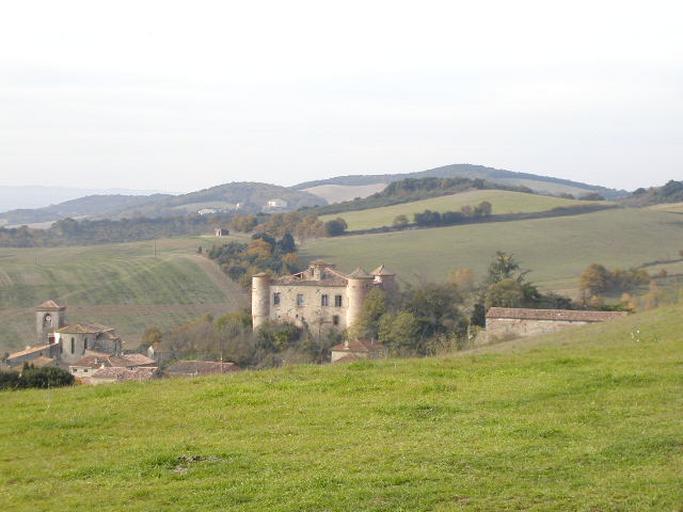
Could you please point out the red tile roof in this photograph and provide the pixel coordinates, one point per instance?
(51, 305)
(124, 374)
(568, 315)
(30, 350)
(83, 328)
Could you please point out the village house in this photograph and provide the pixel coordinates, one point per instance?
(508, 323)
(91, 362)
(118, 374)
(321, 297)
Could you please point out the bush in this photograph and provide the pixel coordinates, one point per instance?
(31, 377)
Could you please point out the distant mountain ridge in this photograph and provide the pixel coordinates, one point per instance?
(40, 196)
(538, 183)
(252, 197)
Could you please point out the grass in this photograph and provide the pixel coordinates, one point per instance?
(503, 202)
(588, 419)
(556, 249)
(669, 207)
(122, 285)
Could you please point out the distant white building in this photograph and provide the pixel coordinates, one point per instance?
(207, 211)
(276, 204)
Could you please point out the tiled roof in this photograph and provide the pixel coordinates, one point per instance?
(99, 359)
(568, 315)
(291, 280)
(84, 328)
(29, 350)
(359, 346)
(359, 273)
(191, 368)
(51, 305)
(124, 374)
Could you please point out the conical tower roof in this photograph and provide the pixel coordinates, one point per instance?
(382, 271)
(359, 273)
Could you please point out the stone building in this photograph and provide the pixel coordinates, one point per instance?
(320, 297)
(508, 323)
(62, 342)
(187, 368)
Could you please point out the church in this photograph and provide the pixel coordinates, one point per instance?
(62, 344)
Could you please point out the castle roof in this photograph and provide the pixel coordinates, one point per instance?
(382, 271)
(359, 273)
(51, 305)
(568, 315)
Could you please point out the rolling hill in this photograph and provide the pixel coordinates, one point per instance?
(122, 285)
(252, 197)
(587, 419)
(503, 202)
(556, 249)
(541, 184)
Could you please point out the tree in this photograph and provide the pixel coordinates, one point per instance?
(400, 333)
(596, 279)
(483, 209)
(504, 266)
(335, 227)
(435, 308)
(462, 279)
(400, 221)
(151, 336)
(244, 223)
(506, 293)
(374, 306)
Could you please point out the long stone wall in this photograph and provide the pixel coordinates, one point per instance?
(508, 328)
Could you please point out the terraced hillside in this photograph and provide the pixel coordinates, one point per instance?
(588, 419)
(122, 285)
(503, 202)
(556, 249)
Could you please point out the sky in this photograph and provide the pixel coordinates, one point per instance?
(179, 96)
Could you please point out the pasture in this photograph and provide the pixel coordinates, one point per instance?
(588, 419)
(503, 202)
(122, 285)
(557, 249)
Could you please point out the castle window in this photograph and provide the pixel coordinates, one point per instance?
(73, 345)
(325, 300)
(276, 299)
(85, 344)
(337, 301)
(299, 299)
(335, 320)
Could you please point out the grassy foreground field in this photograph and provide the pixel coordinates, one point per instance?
(589, 419)
(556, 249)
(503, 202)
(122, 285)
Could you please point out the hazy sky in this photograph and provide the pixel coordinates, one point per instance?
(183, 95)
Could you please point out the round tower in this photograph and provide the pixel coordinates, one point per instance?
(357, 286)
(260, 299)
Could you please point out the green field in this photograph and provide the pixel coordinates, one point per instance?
(589, 419)
(503, 202)
(669, 207)
(556, 249)
(122, 285)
